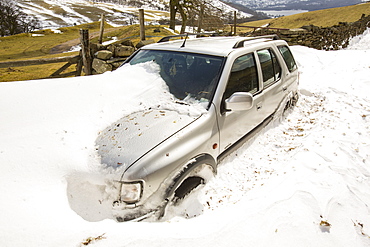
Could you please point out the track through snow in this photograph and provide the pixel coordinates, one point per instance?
(321, 129)
(303, 181)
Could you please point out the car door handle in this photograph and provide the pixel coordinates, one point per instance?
(285, 88)
(259, 106)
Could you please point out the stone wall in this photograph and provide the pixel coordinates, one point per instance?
(110, 57)
(321, 38)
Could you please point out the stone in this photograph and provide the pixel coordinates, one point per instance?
(100, 66)
(123, 51)
(104, 54)
(96, 47)
(111, 48)
(117, 64)
(127, 42)
(308, 28)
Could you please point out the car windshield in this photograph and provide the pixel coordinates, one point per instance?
(188, 75)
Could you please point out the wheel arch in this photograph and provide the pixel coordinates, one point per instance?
(189, 169)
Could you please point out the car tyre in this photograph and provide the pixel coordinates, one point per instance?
(190, 183)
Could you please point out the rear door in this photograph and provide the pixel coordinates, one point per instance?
(273, 87)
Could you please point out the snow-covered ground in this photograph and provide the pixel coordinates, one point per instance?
(303, 181)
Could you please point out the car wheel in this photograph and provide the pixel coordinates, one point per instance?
(186, 187)
(291, 102)
(183, 197)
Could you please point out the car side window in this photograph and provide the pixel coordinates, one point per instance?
(288, 58)
(271, 69)
(243, 76)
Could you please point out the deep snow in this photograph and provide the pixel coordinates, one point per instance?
(303, 181)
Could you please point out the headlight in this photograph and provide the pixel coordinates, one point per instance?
(131, 192)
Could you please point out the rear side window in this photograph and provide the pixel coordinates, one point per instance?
(271, 69)
(243, 76)
(288, 58)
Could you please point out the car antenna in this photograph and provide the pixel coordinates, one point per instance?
(183, 44)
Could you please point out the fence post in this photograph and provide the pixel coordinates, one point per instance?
(85, 49)
(79, 66)
(102, 19)
(234, 22)
(142, 26)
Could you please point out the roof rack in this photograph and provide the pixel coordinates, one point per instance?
(240, 43)
(167, 38)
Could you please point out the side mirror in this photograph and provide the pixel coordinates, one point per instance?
(239, 101)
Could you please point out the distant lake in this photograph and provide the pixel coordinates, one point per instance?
(282, 12)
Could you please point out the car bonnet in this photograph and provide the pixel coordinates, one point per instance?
(126, 140)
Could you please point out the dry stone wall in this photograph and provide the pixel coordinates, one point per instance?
(110, 57)
(321, 38)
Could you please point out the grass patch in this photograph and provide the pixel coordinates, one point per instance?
(132, 32)
(26, 46)
(31, 72)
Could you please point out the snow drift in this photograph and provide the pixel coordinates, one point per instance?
(303, 181)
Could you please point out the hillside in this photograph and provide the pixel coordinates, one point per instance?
(321, 18)
(55, 14)
(254, 14)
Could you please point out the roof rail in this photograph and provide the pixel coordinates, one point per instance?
(167, 38)
(240, 43)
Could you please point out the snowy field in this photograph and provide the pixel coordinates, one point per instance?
(303, 181)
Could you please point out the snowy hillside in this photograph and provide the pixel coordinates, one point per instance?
(303, 181)
(59, 13)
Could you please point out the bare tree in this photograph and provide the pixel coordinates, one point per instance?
(181, 7)
(209, 17)
(14, 21)
(200, 13)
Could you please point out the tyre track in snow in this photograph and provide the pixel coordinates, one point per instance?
(266, 156)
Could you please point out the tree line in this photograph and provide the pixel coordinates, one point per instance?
(14, 21)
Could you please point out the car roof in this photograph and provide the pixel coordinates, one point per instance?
(217, 46)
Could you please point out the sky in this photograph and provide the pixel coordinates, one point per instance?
(303, 181)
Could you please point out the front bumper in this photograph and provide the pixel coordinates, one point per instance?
(129, 212)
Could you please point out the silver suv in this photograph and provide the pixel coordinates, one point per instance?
(243, 82)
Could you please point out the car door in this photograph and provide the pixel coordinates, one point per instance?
(273, 89)
(234, 124)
